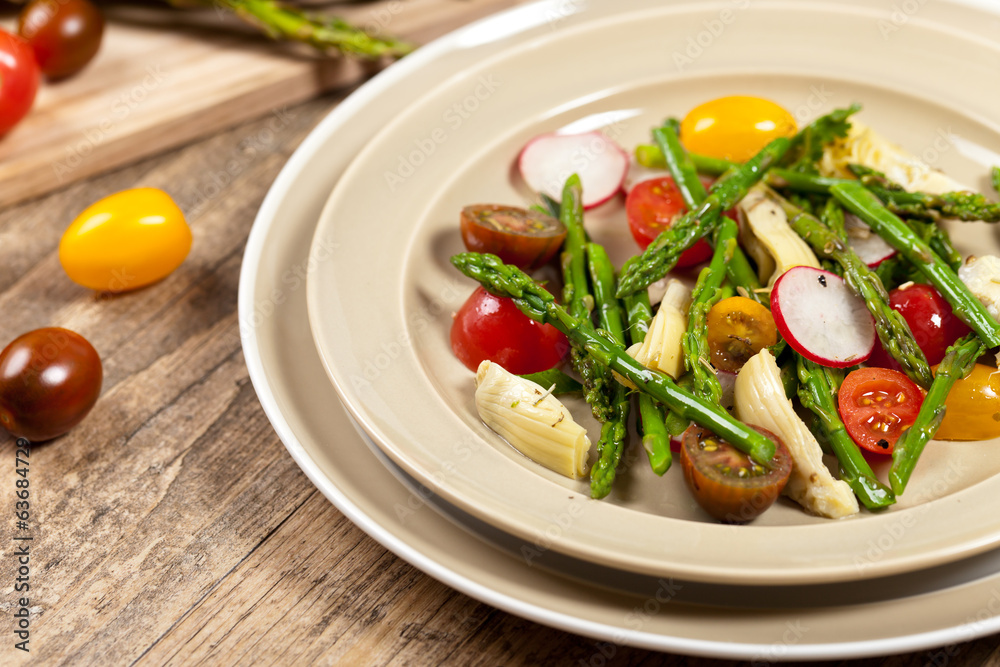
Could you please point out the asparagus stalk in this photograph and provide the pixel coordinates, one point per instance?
(323, 33)
(685, 174)
(613, 431)
(655, 434)
(661, 255)
(817, 391)
(963, 205)
(578, 299)
(706, 293)
(857, 199)
(892, 329)
(650, 155)
(958, 361)
(995, 178)
(537, 303)
(557, 380)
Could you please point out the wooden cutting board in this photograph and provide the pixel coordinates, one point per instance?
(164, 77)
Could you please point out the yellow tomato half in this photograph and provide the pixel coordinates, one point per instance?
(972, 411)
(735, 127)
(125, 241)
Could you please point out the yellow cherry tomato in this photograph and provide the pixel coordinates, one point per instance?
(738, 328)
(972, 410)
(735, 127)
(125, 241)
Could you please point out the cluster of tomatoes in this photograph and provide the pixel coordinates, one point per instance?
(56, 38)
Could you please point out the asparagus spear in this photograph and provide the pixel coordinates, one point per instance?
(650, 155)
(963, 205)
(685, 175)
(613, 432)
(578, 299)
(817, 391)
(323, 33)
(957, 362)
(661, 255)
(856, 198)
(807, 148)
(537, 303)
(706, 293)
(655, 434)
(995, 178)
(892, 329)
(557, 380)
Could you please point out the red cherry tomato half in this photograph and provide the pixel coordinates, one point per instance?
(876, 405)
(65, 34)
(935, 327)
(725, 482)
(491, 327)
(49, 380)
(653, 205)
(19, 76)
(527, 239)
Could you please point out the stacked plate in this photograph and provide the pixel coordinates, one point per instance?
(346, 296)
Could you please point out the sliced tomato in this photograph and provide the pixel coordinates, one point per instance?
(738, 328)
(491, 327)
(876, 405)
(972, 409)
(725, 482)
(527, 239)
(930, 317)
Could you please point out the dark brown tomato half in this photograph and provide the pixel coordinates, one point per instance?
(725, 481)
(527, 239)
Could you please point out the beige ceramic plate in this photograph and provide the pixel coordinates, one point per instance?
(935, 607)
(380, 308)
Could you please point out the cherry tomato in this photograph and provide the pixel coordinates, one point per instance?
(935, 327)
(491, 327)
(876, 405)
(19, 76)
(735, 127)
(125, 241)
(49, 381)
(64, 34)
(738, 328)
(725, 482)
(972, 409)
(527, 239)
(652, 206)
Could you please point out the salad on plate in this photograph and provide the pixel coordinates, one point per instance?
(832, 328)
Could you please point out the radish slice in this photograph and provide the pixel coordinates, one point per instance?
(866, 244)
(549, 159)
(821, 318)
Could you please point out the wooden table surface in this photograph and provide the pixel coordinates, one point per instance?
(172, 526)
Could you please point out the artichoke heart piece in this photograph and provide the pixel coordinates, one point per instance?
(761, 401)
(982, 276)
(661, 349)
(866, 147)
(769, 239)
(532, 420)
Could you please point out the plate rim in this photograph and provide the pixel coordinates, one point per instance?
(261, 228)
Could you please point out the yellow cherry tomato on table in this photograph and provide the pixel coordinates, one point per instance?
(972, 409)
(125, 241)
(735, 127)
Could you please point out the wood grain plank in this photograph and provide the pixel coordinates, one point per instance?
(160, 81)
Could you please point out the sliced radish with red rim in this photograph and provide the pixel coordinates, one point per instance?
(549, 159)
(866, 244)
(821, 318)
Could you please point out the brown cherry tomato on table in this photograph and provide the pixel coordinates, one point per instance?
(491, 327)
(725, 482)
(738, 328)
(930, 317)
(49, 380)
(527, 239)
(64, 34)
(19, 77)
(876, 405)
